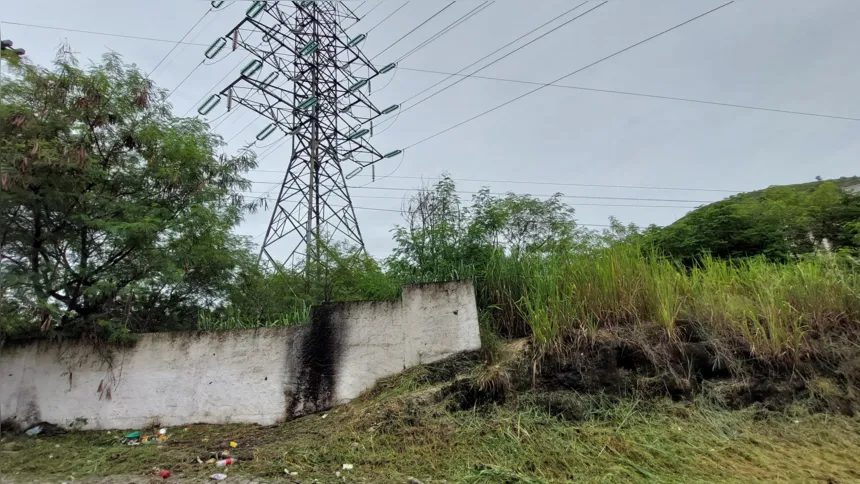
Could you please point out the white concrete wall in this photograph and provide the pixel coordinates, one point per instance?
(249, 376)
(166, 378)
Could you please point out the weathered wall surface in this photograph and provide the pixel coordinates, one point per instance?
(242, 376)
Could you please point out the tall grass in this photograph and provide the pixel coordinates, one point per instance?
(774, 309)
(231, 318)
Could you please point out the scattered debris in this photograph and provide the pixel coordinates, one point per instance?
(294, 474)
(412, 480)
(218, 477)
(225, 462)
(137, 438)
(348, 467)
(325, 415)
(337, 474)
(44, 429)
(164, 474)
(233, 444)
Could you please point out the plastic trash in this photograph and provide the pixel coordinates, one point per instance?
(34, 431)
(133, 435)
(225, 462)
(164, 474)
(218, 477)
(233, 444)
(348, 467)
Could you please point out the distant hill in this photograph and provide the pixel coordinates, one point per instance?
(849, 183)
(778, 222)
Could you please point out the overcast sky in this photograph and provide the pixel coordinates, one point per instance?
(788, 55)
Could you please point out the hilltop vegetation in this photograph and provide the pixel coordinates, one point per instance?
(778, 223)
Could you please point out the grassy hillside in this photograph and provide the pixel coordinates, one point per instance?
(437, 427)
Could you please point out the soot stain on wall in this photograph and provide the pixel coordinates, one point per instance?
(317, 364)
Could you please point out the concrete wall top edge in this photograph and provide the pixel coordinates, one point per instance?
(11, 347)
(454, 283)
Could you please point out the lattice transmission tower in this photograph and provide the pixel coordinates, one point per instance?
(311, 80)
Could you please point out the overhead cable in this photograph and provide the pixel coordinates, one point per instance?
(504, 56)
(499, 49)
(568, 75)
(639, 94)
(387, 17)
(446, 29)
(407, 34)
(149, 39)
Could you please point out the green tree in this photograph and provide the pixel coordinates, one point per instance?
(778, 223)
(115, 214)
(522, 223)
(442, 239)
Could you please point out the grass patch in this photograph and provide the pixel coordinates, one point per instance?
(406, 427)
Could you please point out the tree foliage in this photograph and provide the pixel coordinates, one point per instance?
(443, 238)
(114, 214)
(778, 223)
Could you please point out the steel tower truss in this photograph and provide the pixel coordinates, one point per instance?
(310, 80)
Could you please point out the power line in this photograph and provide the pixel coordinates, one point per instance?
(525, 182)
(584, 197)
(149, 39)
(499, 49)
(413, 30)
(503, 57)
(402, 110)
(592, 185)
(638, 94)
(586, 204)
(372, 9)
(453, 25)
(568, 75)
(400, 212)
(387, 17)
(183, 80)
(178, 43)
